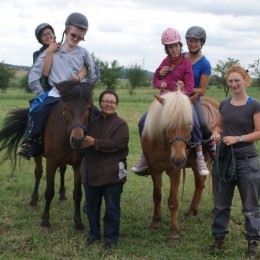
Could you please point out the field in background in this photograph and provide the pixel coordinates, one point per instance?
(21, 237)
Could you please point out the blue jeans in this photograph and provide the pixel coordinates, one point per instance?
(196, 131)
(111, 220)
(204, 126)
(37, 118)
(247, 179)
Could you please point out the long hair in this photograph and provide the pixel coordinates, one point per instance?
(174, 113)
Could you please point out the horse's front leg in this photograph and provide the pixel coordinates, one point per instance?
(199, 186)
(77, 196)
(49, 194)
(173, 204)
(38, 175)
(157, 199)
(62, 190)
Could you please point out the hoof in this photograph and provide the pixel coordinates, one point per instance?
(62, 198)
(190, 213)
(79, 227)
(45, 229)
(32, 206)
(174, 239)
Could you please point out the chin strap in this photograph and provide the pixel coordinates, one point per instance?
(194, 52)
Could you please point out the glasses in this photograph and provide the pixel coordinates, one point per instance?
(44, 35)
(76, 36)
(108, 102)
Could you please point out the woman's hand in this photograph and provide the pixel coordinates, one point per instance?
(180, 84)
(163, 85)
(164, 70)
(88, 141)
(229, 140)
(216, 137)
(53, 47)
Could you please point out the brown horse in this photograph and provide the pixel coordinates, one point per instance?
(63, 136)
(10, 136)
(166, 136)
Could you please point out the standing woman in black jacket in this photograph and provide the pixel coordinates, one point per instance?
(105, 169)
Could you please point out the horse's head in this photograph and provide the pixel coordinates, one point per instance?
(77, 105)
(178, 139)
(176, 121)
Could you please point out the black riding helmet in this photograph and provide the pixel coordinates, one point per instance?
(196, 32)
(77, 19)
(40, 28)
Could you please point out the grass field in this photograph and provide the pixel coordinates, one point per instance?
(22, 238)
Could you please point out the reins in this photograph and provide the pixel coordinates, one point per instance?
(69, 129)
(228, 170)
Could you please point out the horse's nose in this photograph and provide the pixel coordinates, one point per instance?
(76, 143)
(179, 162)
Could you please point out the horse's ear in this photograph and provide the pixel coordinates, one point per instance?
(160, 99)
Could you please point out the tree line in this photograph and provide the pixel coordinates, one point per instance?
(136, 75)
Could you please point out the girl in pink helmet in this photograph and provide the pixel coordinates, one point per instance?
(175, 70)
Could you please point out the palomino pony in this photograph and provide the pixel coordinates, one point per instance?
(166, 137)
(63, 138)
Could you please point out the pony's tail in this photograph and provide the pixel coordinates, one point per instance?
(11, 133)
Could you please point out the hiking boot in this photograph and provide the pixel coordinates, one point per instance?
(141, 166)
(251, 252)
(24, 151)
(202, 167)
(219, 244)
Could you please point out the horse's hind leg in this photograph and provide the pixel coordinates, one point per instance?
(157, 200)
(38, 175)
(49, 194)
(199, 186)
(77, 196)
(62, 190)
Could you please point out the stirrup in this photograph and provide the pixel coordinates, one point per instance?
(24, 151)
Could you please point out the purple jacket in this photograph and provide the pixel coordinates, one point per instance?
(182, 71)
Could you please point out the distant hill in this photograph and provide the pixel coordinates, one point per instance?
(26, 69)
(17, 67)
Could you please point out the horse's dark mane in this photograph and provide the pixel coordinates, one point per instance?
(74, 90)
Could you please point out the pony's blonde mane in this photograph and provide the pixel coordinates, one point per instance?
(174, 113)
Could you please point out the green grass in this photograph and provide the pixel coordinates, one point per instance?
(22, 238)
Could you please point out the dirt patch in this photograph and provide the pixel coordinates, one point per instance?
(21, 73)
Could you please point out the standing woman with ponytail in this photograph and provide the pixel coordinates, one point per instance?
(237, 130)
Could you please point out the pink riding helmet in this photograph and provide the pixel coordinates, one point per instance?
(170, 36)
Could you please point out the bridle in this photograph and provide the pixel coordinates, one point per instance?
(187, 141)
(69, 129)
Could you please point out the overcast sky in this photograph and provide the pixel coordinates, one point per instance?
(129, 31)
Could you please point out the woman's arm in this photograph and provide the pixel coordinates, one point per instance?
(204, 81)
(82, 74)
(48, 58)
(188, 80)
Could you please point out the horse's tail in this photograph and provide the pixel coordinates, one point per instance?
(11, 133)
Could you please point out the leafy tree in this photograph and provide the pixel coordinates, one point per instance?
(255, 70)
(109, 73)
(136, 76)
(220, 73)
(6, 74)
(24, 84)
